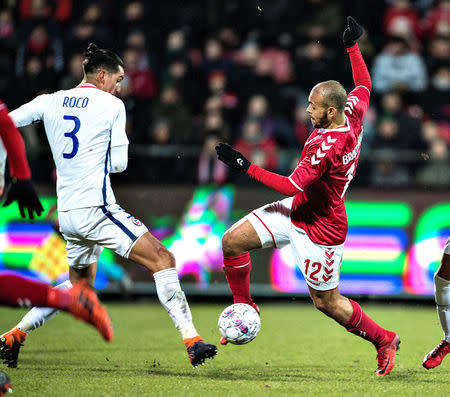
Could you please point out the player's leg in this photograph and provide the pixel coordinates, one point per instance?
(81, 301)
(151, 253)
(264, 227)
(128, 237)
(349, 314)
(442, 297)
(237, 242)
(320, 266)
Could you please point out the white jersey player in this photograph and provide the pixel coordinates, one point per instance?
(85, 127)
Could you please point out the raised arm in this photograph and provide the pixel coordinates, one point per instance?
(361, 76)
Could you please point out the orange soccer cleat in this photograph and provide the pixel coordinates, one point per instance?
(86, 306)
(10, 344)
(386, 353)
(198, 350)
(435, 356)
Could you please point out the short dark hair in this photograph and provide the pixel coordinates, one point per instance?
(333, 94)
(99, 58)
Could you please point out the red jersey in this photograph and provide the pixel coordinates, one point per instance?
(13, 142)
(326, 168)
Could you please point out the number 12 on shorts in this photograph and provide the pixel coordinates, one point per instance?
(316, 267)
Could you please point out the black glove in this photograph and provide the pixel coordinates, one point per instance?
(352, 32)
(24, 193)
(232, 157)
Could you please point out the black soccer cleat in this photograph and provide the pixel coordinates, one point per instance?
(10, 343)
(9, 356)
(199, 352)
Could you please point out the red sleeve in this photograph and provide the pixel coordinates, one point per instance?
(361, 76)
(15, 148)
(280, 183)
(357, 103)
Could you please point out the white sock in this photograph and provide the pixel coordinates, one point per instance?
(38, 316)
(442, 296)
(174, 301)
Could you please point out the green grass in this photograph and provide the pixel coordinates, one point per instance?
(298, 352)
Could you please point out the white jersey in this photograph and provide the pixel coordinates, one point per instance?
(82, 124)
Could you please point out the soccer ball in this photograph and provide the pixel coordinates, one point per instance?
(239, 323)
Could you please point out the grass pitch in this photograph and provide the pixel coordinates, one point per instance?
(298, 352)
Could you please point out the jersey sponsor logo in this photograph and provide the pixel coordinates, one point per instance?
(320, 153)
(75, 102)
(137, 222)
(240, 161)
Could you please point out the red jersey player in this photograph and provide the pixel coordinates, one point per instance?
(313, 219)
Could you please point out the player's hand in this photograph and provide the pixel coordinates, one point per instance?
(232, 157)
(352, 32)
(24, 193)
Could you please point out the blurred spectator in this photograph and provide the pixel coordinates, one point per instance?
(397, 67)
(323, 19)
(437, 20)
(435, 100)
(388, 171)
(210, 168)
(393, 117)
(142, 80)
(60, 10)
(214, 59)
(138, 42)
(160, 133)
(40, 44)
(169, 107)
(257, 148)
(401, 19)
(436, 170)
(438, 51)
(314, 63)
(302, 123)
(74, 74)
(36, 81)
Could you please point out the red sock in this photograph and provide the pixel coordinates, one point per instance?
(17, 291)
(237, 269)
(362, 325)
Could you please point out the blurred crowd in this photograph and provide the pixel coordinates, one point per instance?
(200, 72)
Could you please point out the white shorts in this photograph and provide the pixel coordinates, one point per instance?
(320, 264)
(88, 230)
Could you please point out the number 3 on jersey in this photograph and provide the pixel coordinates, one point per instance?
(349, 174)
(72, 136)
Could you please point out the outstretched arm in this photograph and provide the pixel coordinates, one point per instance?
(360, 73)
(237, 161)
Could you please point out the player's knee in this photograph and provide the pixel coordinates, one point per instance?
(165, 260)
(230, 244)
(324, 305)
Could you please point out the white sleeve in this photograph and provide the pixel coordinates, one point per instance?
(30, 112)
(119, 158)
(118, 133)
(2, 164)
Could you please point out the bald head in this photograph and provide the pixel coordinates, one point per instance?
(333, 94)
